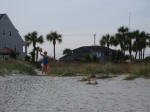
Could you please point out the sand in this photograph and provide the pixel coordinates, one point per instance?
(67, 94)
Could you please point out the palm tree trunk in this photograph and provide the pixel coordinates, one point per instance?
(139, 55)
(54, 53)
(37, 55)
(135, 54)
(34, 49)
(144, 53)
(108, 51)
(130, 53)
(130, 50)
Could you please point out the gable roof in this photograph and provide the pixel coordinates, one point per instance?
(81, 51)
(2, 15)
(91, 48)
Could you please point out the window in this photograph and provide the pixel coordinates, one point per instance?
(9, 33)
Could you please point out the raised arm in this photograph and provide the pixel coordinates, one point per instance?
(41, 53)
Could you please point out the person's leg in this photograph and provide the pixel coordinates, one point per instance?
(45, 69)
(42, 70)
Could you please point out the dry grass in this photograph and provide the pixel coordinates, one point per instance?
(101, 70)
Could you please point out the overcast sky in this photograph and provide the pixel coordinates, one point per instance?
(77, 20)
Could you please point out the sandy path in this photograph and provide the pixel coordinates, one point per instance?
(49, 94)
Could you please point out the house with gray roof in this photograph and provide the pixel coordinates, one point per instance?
(10, 38)
(103, 54)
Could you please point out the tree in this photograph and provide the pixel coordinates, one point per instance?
(129, 43)
(121, 38)
(143, 44)
(136, 43)
(33, 38)
(106, 40)
(54, 37)
(140, 43)
(67, 51)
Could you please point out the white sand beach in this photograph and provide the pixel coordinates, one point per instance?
(67, 94)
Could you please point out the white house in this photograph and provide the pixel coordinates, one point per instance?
(10, 38)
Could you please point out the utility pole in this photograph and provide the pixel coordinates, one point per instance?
(129, 20)
(94, 39)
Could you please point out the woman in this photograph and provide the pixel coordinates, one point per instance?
(45, 62)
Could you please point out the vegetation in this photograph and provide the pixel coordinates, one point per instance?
(131, 41)
(54, 37)
(13, 55)
(88, 58)
(101, 71)
(15, 66)
(67, 51)
(34, 39)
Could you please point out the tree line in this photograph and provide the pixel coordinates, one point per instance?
(132, 41)
(135, 42)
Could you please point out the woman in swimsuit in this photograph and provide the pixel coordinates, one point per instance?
(45, 62)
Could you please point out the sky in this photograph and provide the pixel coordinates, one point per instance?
(76, 20)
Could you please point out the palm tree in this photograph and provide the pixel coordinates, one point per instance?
(33, 38)
(143, 43)
(107, 40)
(140, 43)
(67, 51)
(129, 42)
(54, 37)
(121, 38)
(136, 43)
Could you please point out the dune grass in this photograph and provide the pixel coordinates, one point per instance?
(101, 71)
(15, 66)
(139, 71)
(85, 68)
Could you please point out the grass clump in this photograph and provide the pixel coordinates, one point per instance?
(112, 69)
(15, 66)
(139, 71)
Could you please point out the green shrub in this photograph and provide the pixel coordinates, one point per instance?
(86, 58)
(95, 58)
(13, 55)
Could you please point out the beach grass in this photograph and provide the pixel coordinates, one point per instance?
(100, 70)
(60, 68)
(16, 66)
(139, 71)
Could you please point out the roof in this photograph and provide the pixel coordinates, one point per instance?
(91, 48)
(2, 15)
(5, 51)
(81, 51)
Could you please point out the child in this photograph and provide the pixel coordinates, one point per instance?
(45, 62)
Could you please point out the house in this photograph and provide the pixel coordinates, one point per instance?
(103, 54)
(10, 39)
